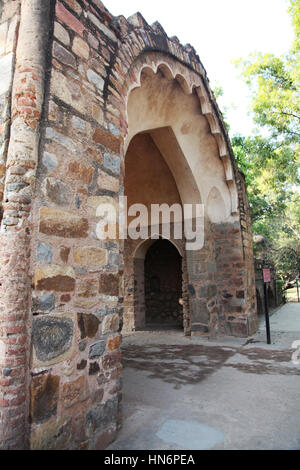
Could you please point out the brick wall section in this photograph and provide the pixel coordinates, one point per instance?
(9, 24)
(14, 296)
(26, 107)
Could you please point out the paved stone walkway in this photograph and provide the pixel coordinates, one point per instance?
(183, 393)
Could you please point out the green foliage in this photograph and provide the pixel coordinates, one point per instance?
(270, 159)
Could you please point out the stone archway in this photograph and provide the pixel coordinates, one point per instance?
(173, 155)
(150, 180)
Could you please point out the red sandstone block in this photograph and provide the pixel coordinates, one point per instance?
(66, 17)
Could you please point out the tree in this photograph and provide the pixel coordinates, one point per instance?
(270, 158)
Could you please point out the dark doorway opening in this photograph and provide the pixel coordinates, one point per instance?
(163, 286)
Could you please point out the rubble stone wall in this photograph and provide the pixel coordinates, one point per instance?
(64, 128)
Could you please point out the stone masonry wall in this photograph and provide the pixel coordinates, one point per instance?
(61, 289)
(202, 286)
(76, 276)
(23, 107)
(235, 267)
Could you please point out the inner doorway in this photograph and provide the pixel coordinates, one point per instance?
(163, 286)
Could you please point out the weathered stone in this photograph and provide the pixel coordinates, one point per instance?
(88, 325)
(82, 345)
(49, 160)
(85, 304)
(97, 114)
(81, 48)
(61, 139)
(53, 277)
(101, 417)
(105, 438)
(208, 291)
(61, 33)
(68, 91)
(110, 324)
(93, 41)
(79, 124)
(109, 284)
(63, 55)
(44, 397)
(79, 429)
(95, 202)
(108, 140)
(90, 256)
(74, 6)
(66, 17)
(111, 361)
(81, 172)
(45, 303)
(88, 288)
(113, 258)
(97, 395)
(53, 435)
(97, 350)
(108, 32)
(112, 163)
(56, 191)
(52, 337)
(62, 224)
(108, 182)
(96, 79)
(72, 392)
(114, 342)
(199, 311)
(44, 253)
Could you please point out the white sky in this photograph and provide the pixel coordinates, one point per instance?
(221, 31)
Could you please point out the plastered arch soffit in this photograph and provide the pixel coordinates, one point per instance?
(144, 47)
(143, 247)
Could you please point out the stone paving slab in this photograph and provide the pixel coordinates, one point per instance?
(241, 389)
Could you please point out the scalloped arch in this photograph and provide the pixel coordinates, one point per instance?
(190, 82)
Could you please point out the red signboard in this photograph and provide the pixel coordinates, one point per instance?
(267, 275)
